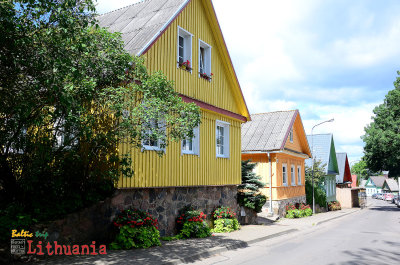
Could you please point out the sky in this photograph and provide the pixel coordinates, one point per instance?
(327, 58)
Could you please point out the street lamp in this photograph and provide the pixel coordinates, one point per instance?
(313, 160)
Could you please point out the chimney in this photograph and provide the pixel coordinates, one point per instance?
(385, 174)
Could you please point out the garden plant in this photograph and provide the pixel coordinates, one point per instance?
(302, 210)
(225, 220)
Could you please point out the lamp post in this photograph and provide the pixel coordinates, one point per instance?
(313, 161)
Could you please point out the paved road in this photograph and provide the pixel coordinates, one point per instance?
(371, 236)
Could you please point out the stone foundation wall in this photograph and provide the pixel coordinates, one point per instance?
(279, 206)
(94, 223)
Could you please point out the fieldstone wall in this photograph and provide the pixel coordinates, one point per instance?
(279, 207)
(94, 223)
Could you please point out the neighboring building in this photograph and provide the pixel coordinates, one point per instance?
(324, 150)
(343, 179)
(390, 186)
(276, 141)
(205, 170)
(354, 181)
(374, 185)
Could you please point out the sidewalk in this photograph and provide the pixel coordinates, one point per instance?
(183, 251)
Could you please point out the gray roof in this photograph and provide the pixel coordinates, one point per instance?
(321, 145)
(267, 131)
(378, 180)
(392, 184)
(141, 23)
(341, 160)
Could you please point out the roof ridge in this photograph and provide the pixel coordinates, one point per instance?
(272, 112)
(140, 2)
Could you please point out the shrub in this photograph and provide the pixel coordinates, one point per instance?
(334, 206)
(225, 220)
(302, 210)
(319, 194)
(137, 229)
(191, 224)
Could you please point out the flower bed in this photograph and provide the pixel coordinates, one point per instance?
(206, 76)
(302, 210)
(225, 220)
(137, 229)
(334, 206)
(185, 65)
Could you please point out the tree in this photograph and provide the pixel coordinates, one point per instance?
(70, 95)
(319, 178)
(382, 135)
(249, 194)
(360, 169)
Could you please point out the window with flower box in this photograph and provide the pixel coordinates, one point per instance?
(205, 60)
(184, 58)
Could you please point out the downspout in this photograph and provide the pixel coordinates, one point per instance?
(270, 213)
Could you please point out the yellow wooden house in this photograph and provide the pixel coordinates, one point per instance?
(182, 38)
(277, 143)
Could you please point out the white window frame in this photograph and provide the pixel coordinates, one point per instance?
(195, 143)
(298, 175)
(187, 36)
(226, 138)
(293, 175)
(207, 50)
(284, 174)
(153, 147)
(291, 135)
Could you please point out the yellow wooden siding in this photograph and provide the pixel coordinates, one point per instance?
(174, 169)
(299, 143)
(163, 56)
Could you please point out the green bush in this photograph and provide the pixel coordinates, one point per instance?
(137, 229)
(254, 202)
(302, 211)
(334, 206)
(225, 220)
(319, 194)
(191, 224)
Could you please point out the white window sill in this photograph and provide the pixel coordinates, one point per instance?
(222, 156)
(285, 184)
(189, 153)
(152, 148)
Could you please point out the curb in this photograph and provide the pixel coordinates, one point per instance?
(244, 244)
(336, 217)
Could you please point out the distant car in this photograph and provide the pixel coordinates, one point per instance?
(388, 197)
(398, 203)
(379, 196)
(395, 199)
(374, 195)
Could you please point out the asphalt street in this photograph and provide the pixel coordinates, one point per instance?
(370, 236)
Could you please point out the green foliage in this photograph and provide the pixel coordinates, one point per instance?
(319, 194)
(249, 194)
(137, 229)
(70, 95)
(224, 212)
(334, 206)
(301, 211)
(136, 237)
(382, 135)
(360, 169)
(319, 172)
(191, 223)
(224, 220)
(223, 225)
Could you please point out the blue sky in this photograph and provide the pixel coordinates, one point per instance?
(327, 58)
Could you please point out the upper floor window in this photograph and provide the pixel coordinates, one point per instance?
(291, 135)
(299, 175)
(184, 59)
(293, 175)
(205, 60)
(284, 174)
(222, 139)
(191, 146)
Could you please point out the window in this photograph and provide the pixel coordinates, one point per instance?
(192, 146)
(284, 174)
(291, 135)
(298, 175)
(204, 59)
(150, 142)
(292, 175)
(184, 47)
(222, 139)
